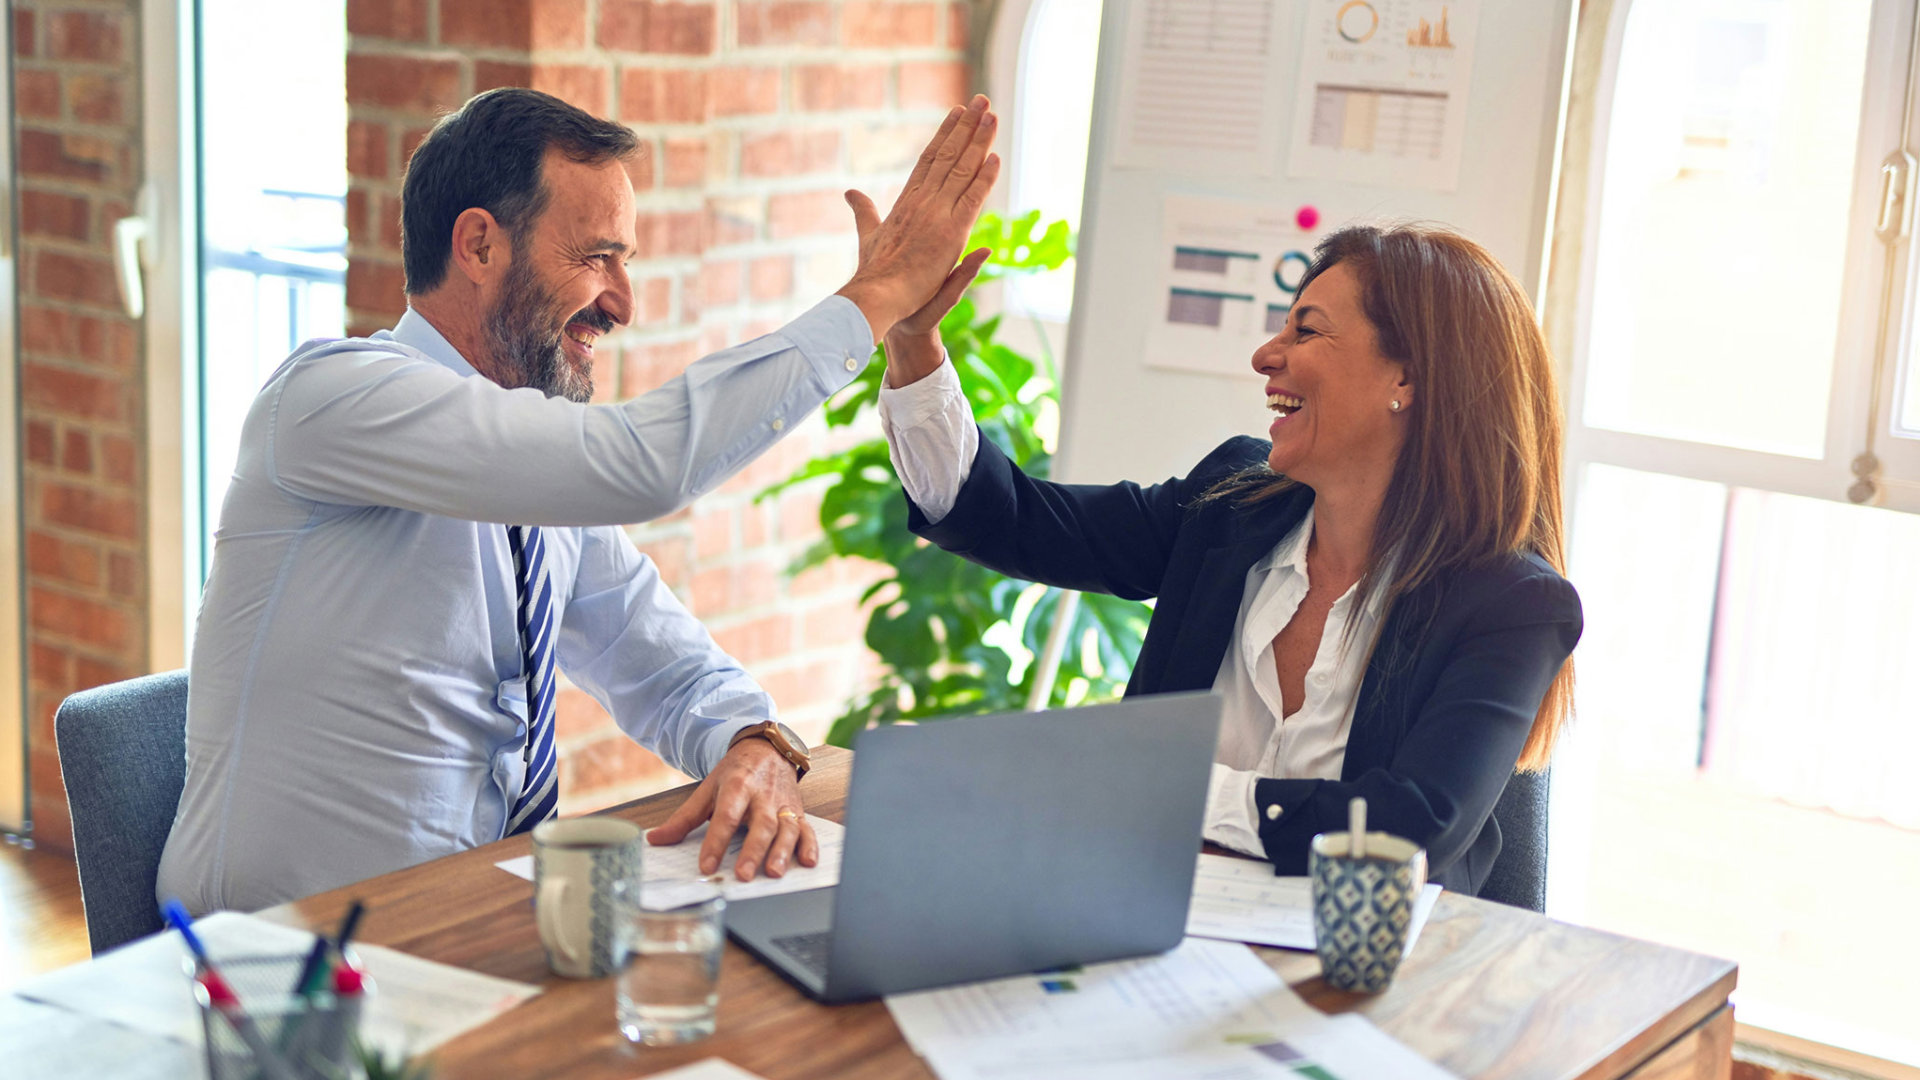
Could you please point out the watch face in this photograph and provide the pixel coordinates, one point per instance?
(792, 739)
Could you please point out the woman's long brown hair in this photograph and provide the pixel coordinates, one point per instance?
(1479, 476)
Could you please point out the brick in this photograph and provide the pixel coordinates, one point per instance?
(651, 27)
(410, 141)
(807, 213)
(45, 213)
(888, 24)
(581, 85)
(394, 20)
(783, 23)
(651, 365)
(933, 83)
(376, 286)
(23, 39)
(89, 672)
(366, 149)
(789, 153)
(123, 576)
(686, 162)
(403, 82)
(959, 25)
(54, 558)
(770, 277)
(99, 36)
(89, 510)
(76, 452)
(835, 87)
(712, 591)
(755, 641)
(692, 303)
(654, 298)
(65, 157)
(832, 623)
(672, 232)
(97, 99)
(577, 717)
(72, 393)
(37, 94)
(359, 213)
(640, 166)
(756, 525)
(720, 283)
(714, 529)
(78, 619)
(515, 24)
(669, 96)
(81, 279)
(119, 460)
(670, 559)
(49, 667)
(745, 91)
(40, 442)
(610, 762)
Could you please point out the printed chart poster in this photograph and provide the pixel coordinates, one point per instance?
(1196, 80)
(1229, 270)
(1382, 97)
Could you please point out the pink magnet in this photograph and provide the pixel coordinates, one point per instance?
(1306, 217)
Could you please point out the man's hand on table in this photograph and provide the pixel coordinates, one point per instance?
(753, 786)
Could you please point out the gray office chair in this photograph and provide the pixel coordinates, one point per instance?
(1519, 875)
(123, 755)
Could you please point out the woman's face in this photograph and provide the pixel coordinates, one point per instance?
(1331, 391)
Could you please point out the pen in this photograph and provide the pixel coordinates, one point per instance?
(221, 996)
(175, 913)
(308, 981)
(347, 927)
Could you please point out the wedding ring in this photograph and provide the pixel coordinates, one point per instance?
(786, 814)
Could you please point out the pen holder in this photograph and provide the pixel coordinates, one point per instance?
(276, 1034)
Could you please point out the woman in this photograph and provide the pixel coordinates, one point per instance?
(1376, 593)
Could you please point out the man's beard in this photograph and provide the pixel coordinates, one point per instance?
(525, 341)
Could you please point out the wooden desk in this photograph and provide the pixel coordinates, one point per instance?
(1490, 992)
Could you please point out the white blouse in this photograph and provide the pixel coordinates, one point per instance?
(933, 441)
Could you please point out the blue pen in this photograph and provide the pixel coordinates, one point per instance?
(175, 913)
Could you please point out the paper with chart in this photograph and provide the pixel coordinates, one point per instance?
(1197, 82)
(1206, 1009)
(1241, 900)
(1381, 96)
(682, 860)
(1229, 272)
(416, 1004)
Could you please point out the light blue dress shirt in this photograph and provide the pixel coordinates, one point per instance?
(358, 700)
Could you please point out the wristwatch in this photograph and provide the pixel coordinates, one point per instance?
(785, 743)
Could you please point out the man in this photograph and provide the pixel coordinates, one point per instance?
(422, 526)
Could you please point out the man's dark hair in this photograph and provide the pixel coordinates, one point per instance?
(487, 154)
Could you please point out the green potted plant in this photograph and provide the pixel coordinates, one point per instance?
(955, 638)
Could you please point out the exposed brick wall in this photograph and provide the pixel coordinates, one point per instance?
(756, 115)
(76, 109)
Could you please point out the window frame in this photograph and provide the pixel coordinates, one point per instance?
(1850, 400)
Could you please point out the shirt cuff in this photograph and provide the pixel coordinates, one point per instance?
(1232, 821)
(917, 402)
(835, 338)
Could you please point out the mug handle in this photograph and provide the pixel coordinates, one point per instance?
(547, 918)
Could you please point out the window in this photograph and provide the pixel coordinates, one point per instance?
(1746, 683)
(1052, 46)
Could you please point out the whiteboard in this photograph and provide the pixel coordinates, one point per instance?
(1124, 418)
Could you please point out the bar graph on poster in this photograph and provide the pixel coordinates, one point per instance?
(1229, 272)
(1381, 96)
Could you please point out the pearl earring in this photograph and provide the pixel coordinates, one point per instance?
(1395, 406)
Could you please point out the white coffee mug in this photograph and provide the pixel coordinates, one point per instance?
(575, 864)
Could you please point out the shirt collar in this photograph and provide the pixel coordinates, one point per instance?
(414, 331)
(1291, 554)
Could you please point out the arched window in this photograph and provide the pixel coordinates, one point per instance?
(1041, 67)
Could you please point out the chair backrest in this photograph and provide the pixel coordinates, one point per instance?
(123, 755)
(1519, 875)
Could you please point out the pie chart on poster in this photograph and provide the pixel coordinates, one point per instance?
(1356, 20)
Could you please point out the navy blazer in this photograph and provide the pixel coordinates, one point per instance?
(1450, 692)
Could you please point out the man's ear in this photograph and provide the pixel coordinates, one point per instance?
(479, 245)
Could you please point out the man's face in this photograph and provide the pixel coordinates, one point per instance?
(566, 283)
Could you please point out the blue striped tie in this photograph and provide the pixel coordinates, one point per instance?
(540, 794)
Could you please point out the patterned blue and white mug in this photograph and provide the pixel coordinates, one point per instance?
(1363, 907)
(576, 862)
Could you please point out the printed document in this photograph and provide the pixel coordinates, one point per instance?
(682, 860)
(1241, 900)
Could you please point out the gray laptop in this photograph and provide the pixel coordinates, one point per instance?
(986, 846)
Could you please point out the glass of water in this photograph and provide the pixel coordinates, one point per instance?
(671, 938)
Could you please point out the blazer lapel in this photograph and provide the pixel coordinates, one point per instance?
(1213, 607)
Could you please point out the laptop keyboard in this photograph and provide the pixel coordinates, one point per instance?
(809, 949)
